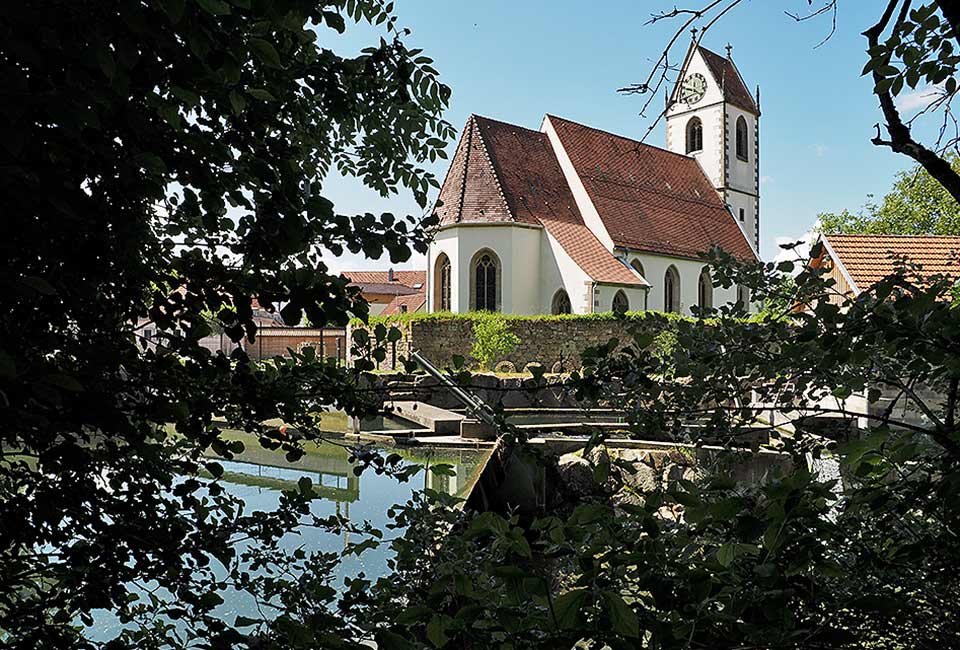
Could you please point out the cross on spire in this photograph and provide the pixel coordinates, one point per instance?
(729, 51)
(694, 33)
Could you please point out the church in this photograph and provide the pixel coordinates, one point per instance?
(569, 218)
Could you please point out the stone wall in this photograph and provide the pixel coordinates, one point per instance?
(556, 344)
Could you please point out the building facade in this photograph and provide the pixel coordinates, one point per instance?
(573, 219)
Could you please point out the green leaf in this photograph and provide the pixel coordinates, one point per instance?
(261, 94)
(214, 7)
(567, 607)
(726, 554)
(437, 631)
(265, 51)
(412, 615)
(624, 619)
(66, 382)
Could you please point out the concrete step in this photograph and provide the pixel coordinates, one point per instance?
(438, 420)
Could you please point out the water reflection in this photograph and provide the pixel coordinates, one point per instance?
(259, 476)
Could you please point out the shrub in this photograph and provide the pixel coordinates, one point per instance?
(493, 340)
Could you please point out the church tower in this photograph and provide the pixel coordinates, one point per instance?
(712, 117)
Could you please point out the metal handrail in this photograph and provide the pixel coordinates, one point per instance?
(474, 405)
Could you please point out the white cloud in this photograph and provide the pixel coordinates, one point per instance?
(918, 99)
(819, 150)
(766, 179)
(798, 254)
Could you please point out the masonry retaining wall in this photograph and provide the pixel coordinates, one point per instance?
(556, 344)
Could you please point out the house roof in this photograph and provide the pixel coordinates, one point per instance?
(536, 191)
(650, 199)
(728, 77)
(386, 288)
(867, 259)
(411, 279)
(414, 302)
(471, 191)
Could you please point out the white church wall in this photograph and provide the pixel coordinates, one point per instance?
(711, 156)
(559, 271)
(590, 215)
(517, 248)
(603, 295)
(742, 174)
(655, 270)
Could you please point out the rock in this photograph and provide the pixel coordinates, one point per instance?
(576, 476)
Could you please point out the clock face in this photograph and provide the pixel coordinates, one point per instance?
(693, 88)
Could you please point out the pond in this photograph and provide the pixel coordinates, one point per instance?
(258, 477)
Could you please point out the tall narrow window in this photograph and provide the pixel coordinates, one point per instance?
(743, 297)
(620, 302)
(561, 303)
(671, 290)
(694, 135)
(441, 280)
(705, 289)
(742, 214)
(486, 282)
(742, 140)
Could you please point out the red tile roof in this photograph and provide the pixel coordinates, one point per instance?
(471, 191)
(413, 302)
(727, 75)
(869, 258)
(405, 278)
(650, 199)
(537, 192)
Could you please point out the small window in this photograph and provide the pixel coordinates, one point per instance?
(694, 135)
(741, 214)
(743, 297)
(705, 289)
(671, 290)
(742, 139)
(620, 303)
(403, 309)
(638, 267)
(561, 303)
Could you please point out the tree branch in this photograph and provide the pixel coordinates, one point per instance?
(901, 140)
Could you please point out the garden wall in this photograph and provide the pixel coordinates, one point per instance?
(555, 342)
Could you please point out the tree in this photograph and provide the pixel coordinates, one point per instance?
(916, 205)
(866, 557)
(163, 161)
(908, 45)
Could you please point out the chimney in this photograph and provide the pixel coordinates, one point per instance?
(389, 275)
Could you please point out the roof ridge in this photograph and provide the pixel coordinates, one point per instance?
(622, 137)
(877, 234)
(510, 124)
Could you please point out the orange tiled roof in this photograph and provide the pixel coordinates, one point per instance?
(405, 278)
(869, 258)
(537, 192)
(648, 198)
(413, 302)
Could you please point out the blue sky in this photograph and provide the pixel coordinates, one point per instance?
(516, 61)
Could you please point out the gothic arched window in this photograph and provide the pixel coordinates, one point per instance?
(671, 290)
(561, 303)
(485, 285)
(694, 135)
(441, 280)
(742, 139)
(638, 267)
(705, 290)
(620, 302)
